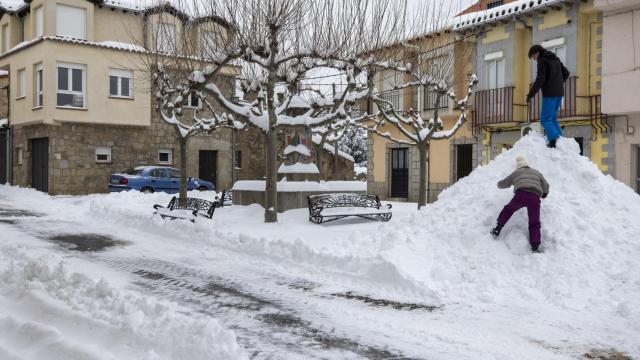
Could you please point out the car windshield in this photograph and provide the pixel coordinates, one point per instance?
(133, 171)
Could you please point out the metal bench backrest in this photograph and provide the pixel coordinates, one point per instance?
(201, 205)
(326, 201)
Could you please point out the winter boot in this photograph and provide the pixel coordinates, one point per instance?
(496, 231)
(552, 143)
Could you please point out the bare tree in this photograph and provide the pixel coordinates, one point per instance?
(172, 95)
(277, 43)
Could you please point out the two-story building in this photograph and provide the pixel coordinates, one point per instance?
(505, 30)
(620, 80)
(393, 168)
(80, 102)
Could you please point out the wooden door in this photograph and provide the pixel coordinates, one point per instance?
(208, 165)
(40, 164)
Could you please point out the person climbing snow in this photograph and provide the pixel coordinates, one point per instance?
(528, 185)
(550, 78)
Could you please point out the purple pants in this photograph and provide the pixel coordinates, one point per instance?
(532, 202)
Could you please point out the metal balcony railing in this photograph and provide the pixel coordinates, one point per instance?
(494, 106)
(569, 107)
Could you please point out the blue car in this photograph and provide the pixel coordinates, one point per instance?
(149, 179)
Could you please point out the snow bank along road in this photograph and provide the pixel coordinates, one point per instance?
(97, 277)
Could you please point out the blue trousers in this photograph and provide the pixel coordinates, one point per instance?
(549, 116)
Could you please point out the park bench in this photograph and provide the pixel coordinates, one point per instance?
(330, 207)
(186, 208)
(226, 199)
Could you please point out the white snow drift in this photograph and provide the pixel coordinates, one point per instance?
(497, 299)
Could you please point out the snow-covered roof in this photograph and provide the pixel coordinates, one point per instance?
(131, 4)
(300, 149)
(12, 5)
(317, 138)
(103, 44)
(298, 168)
(500, 12)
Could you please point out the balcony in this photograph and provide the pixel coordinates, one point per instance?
(496, 106)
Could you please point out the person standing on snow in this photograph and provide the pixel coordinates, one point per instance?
(528, 185)
(550, 78)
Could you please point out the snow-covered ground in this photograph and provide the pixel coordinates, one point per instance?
(428, 284)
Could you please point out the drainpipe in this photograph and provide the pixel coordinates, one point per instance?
(9, 137)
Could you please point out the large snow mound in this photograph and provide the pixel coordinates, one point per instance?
(591, 241)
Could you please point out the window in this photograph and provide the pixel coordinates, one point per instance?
(391, 79)
(71, 85)
(158, 173)
(238, 160)
(495, 73)
(193, 101)
(166, 37)
(103, 154)
(71, 21)
(415, 98)
(430, 99)
(165, 156)
(38, 96)
(6, 41)
(121, 83)
(22, 83)
(496, 3)
(39, 19)
(19, 156)
(557, 46)
(173, 173)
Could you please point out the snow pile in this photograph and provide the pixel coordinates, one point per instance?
(48, 312)
(588, 233)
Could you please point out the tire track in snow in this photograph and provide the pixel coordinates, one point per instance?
(267, 328)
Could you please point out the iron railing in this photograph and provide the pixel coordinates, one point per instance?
(568, 108)
(493, 106)
(496, 106)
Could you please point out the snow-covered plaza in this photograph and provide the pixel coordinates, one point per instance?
(100, 277)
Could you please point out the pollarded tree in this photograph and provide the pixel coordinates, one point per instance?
(276, 43)
(279, 42)
(172, 97)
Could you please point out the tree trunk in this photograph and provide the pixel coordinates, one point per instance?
(271, 189)
(319, 162)
(335, 161)
(423, 149)
(183, 167)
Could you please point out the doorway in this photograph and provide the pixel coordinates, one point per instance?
(208, 165)
(400, 173)
(4, 157)
(464, 160)
(40, 164)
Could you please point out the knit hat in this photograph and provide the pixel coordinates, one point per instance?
(521, 161)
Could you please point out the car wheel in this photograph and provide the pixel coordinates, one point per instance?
(203, 188)
(146, 190)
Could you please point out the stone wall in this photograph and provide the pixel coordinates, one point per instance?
(72, 164)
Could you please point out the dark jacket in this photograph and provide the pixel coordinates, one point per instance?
(551, 76)
(527, 179)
